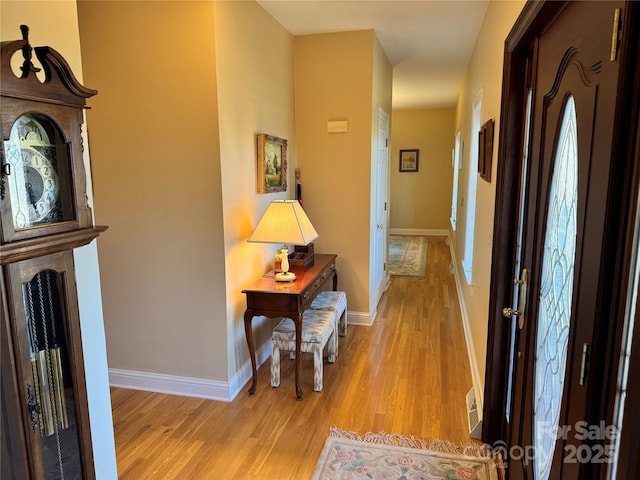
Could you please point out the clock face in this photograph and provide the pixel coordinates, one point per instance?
(41, 185)
(34, 184)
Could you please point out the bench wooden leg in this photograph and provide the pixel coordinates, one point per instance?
(343, 324)
(317, 367)
(275, 365)
(333, 347)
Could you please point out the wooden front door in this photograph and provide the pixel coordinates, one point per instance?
(563, 233)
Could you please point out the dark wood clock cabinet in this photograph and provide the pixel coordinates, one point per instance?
(44, 215)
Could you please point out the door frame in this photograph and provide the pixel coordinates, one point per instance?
(520, 47)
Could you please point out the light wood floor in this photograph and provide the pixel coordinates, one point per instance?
(407, 374)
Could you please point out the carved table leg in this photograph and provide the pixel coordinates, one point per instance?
(298, 322)
(248, 331)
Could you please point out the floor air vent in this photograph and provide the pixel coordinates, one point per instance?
(473, 415)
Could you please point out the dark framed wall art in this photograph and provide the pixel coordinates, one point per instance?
(409, 160)
(485, 150)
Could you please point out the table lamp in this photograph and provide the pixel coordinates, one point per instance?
(284, 222)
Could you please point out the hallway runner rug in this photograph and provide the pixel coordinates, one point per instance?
(407, 255)
(349, 455)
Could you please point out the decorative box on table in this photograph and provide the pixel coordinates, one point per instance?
(302, 256)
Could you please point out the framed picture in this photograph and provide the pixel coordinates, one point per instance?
(272, 164)
(409, 160)
(485, 150)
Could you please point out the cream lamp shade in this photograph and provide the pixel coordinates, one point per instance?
(284, 222)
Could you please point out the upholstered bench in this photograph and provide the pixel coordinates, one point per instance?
(318, 330)
(335, 302)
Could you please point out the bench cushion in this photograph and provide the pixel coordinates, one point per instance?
(317, 326)
(335, 302)
(330, 300)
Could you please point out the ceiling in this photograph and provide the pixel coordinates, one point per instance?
(428, 42)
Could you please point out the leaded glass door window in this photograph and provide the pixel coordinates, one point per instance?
(556, 293)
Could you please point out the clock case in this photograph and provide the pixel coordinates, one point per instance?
(40, 340)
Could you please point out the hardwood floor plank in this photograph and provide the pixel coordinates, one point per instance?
(406, 374)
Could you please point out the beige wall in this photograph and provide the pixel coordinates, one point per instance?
(56, 24)
(483, 74)
(422, 200)
(254, 63)
(192, 83)
(156, 164)
(334, 80)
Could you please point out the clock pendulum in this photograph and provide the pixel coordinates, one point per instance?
(49, 362)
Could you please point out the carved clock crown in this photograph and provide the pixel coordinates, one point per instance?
(59, 85)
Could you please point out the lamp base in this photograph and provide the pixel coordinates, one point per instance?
(285, 277)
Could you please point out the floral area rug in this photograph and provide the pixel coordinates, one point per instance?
(377, 456)
(407, 255)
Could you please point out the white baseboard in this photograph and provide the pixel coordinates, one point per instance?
(361, 318)
(418, 231)
(188, 386)
(203, 388)
(171, 384)
(475, 372)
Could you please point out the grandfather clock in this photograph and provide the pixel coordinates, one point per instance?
(44, 215)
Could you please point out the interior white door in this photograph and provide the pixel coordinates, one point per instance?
(379, 203)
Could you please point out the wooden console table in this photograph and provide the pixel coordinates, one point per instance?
(287, 299)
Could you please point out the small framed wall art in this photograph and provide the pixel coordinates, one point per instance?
(485, 151)
(271, 175)
(409, 160)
